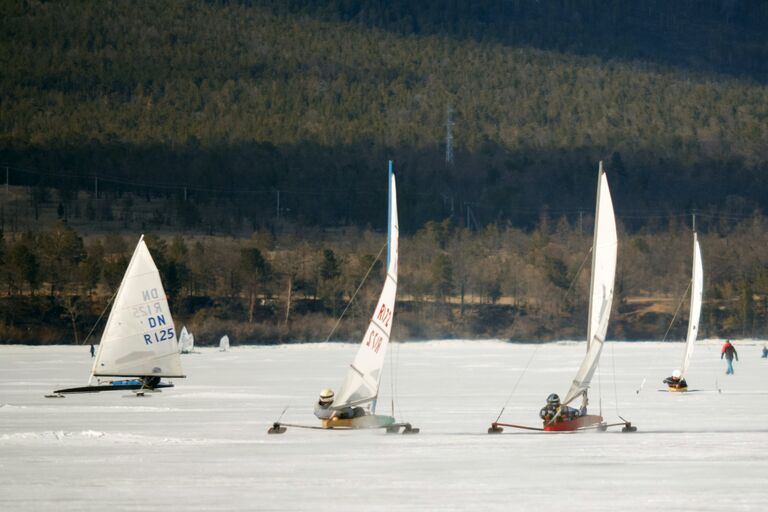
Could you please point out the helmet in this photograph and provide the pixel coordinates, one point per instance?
(677, 374)
(326, 396)
(553, 399)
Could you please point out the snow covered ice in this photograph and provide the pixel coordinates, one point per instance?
(204, 444)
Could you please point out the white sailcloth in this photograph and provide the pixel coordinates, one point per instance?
(186, 341)
(361, 384)
(139, 339)
(224, 343)
(604, 252)
(697, 291)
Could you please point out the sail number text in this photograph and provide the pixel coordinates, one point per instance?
(374, 341)
(158, 336)
(155, 317)
(384, 315)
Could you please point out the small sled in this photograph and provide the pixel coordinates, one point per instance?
(360, 423)
(587, 422)
(366, 421)
(683, 390)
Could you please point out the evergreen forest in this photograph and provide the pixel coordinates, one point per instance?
(249, 140)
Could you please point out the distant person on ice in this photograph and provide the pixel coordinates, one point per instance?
(323, 409)
(765, 352)
(93, 351)
(553, 412)
(729, 352)
(675, 381)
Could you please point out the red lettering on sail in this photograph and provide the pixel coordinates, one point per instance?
(385, 315)
(374, 341)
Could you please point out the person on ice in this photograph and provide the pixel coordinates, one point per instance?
(323, 409)
(553, 412)
(93, 351)
(675, 381)
(765, 352)
(729, 352)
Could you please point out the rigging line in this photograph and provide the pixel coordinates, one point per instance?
(573, 281)
(100, 317)
(282, 413)
(679, 305)
(392, 374)
(397, 383)
(599, 389)
(519, 378)
(355, 294)
(615, 389)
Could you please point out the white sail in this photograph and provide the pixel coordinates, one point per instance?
(604, 251)
(224, 343)
(139, 339)
(697, 291)
(185, 341)
(361, 384)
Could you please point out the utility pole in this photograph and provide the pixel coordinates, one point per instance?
(185, 194)
(449, 137)
(7, 178)
(581, 219)
(278, 206)
(96, 187)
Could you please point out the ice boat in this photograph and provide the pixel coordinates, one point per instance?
(604, 252)
(360, 389)
(186, 341)
(677, 382)
(138, 347)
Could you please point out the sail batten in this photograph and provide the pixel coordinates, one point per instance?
(361, 384)
(139, 338)
(697, 292)
(604, 253)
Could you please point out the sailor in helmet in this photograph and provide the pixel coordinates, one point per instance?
(676, 380)
(324, 411)
(554, 412)
(323, 406)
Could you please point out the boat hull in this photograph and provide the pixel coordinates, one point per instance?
(367, 421)
(677, 389)
(112, 387)
(588, 420)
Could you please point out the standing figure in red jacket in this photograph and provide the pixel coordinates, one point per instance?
(729, 352)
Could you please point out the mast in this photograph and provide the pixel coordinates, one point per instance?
(109, 318)
(697, 292)
(389, 214)
(604, 252)
(361, 384)
(600, 173)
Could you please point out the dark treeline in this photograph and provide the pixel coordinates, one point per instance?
(231, 103)
(252, 138)
(453, 282)
(724, 36)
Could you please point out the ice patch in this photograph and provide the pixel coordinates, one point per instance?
(87, 436)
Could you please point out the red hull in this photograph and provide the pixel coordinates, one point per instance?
(589, 420)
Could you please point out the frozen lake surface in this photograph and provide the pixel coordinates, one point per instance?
(203, 445)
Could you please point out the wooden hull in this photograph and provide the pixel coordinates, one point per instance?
(589, 420)
(677, 389)
(368, 421)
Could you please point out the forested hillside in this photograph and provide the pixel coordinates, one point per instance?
(229, 103)
(250, 141)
